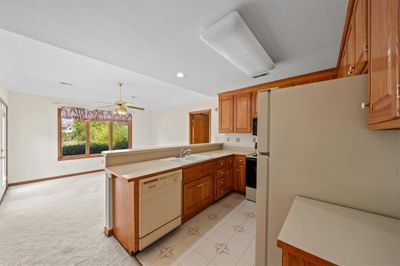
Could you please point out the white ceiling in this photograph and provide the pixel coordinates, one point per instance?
(158, 38)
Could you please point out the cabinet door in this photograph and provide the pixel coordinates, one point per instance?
(361, 38)
(254, 99)
(344, 67)
(205, 192)
(229, 179)
(242, 112)
(383, 60)
(351, 58)
(190, 192)
(225, 114)
(242, 178)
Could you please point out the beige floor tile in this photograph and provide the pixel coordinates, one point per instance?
(206, 249)
(194, 259)
(243, 238)
(249, 256)
(225, 260)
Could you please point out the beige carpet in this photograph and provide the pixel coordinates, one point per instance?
(58, 222)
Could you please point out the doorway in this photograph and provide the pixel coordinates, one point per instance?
(3, 148)
(200, 126)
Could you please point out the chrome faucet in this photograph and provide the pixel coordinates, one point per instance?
(184, 152)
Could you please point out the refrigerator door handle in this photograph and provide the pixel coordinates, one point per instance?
(263, 153)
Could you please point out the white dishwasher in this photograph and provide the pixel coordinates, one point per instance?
(160, 206)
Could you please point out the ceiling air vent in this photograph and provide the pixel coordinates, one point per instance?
(232, 38)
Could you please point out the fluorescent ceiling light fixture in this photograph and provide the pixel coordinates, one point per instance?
(180, 75)
(232, 38)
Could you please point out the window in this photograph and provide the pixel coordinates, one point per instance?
(80, 137)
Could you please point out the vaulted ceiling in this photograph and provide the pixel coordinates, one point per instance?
(150, 41)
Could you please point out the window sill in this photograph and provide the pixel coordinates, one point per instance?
(76, 157)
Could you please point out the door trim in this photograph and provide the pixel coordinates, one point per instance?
(5, 190)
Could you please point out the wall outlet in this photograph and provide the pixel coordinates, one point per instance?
(237, 139)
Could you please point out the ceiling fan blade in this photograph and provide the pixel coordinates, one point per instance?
(106, 106)
(135, 107)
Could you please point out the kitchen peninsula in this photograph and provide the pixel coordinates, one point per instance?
(149, 192)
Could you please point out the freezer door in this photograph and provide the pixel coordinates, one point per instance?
(263, 121)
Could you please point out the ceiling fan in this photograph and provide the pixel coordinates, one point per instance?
(120, 106)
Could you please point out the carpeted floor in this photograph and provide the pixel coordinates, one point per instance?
(58, 222)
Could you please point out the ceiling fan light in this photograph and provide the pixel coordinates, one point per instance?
(121, 110)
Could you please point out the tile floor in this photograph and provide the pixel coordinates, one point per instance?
(223, 234)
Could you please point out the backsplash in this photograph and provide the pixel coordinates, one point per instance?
(241, 140)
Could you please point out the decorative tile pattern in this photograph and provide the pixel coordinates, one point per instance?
(166, 253)
(250, 214)
(212, 216)
(227, 206)
(222, 248)
(193, 231)
(238, 228)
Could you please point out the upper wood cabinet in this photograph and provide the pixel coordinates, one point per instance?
(360, 18)
(384, 69)
(235, 113)
(354, 58)
(242, 113)
(226, 114)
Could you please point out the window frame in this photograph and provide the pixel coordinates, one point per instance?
(87, 130)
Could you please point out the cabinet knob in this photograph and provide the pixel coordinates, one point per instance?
(364, 105)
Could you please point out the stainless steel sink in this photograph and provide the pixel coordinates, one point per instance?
(189, 159)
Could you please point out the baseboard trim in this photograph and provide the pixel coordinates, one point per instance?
(108, 232)
(52, 177)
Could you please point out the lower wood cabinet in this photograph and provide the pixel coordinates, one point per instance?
(294, 256)
(205, 183)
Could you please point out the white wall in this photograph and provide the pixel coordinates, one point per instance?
(170, 126)
(33, 139)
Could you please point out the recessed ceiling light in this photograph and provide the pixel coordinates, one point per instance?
(180, 75)
(65, 83)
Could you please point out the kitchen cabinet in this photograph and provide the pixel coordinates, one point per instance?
(197, 195)
(239, 176)
(235, 113)
(190, 204)
(360, 17)
(226, 114)
(205, 183)
(242, 113)
(384, 69)
(354, 58)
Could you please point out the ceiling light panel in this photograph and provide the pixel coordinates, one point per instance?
(233, 39)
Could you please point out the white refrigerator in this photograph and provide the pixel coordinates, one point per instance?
(313, 141)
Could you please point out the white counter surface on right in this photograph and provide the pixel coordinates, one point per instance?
(343, 236)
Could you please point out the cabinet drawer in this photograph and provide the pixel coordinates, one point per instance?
(221, 164)
(208, 168)
(221, 192)
(191, 173)
(229, 162)
(220, 173)
(221, 183)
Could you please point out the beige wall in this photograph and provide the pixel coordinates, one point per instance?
(33, 139)
(326, 152)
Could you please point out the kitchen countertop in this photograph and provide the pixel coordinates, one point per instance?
(341, 235)
(145, 168)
